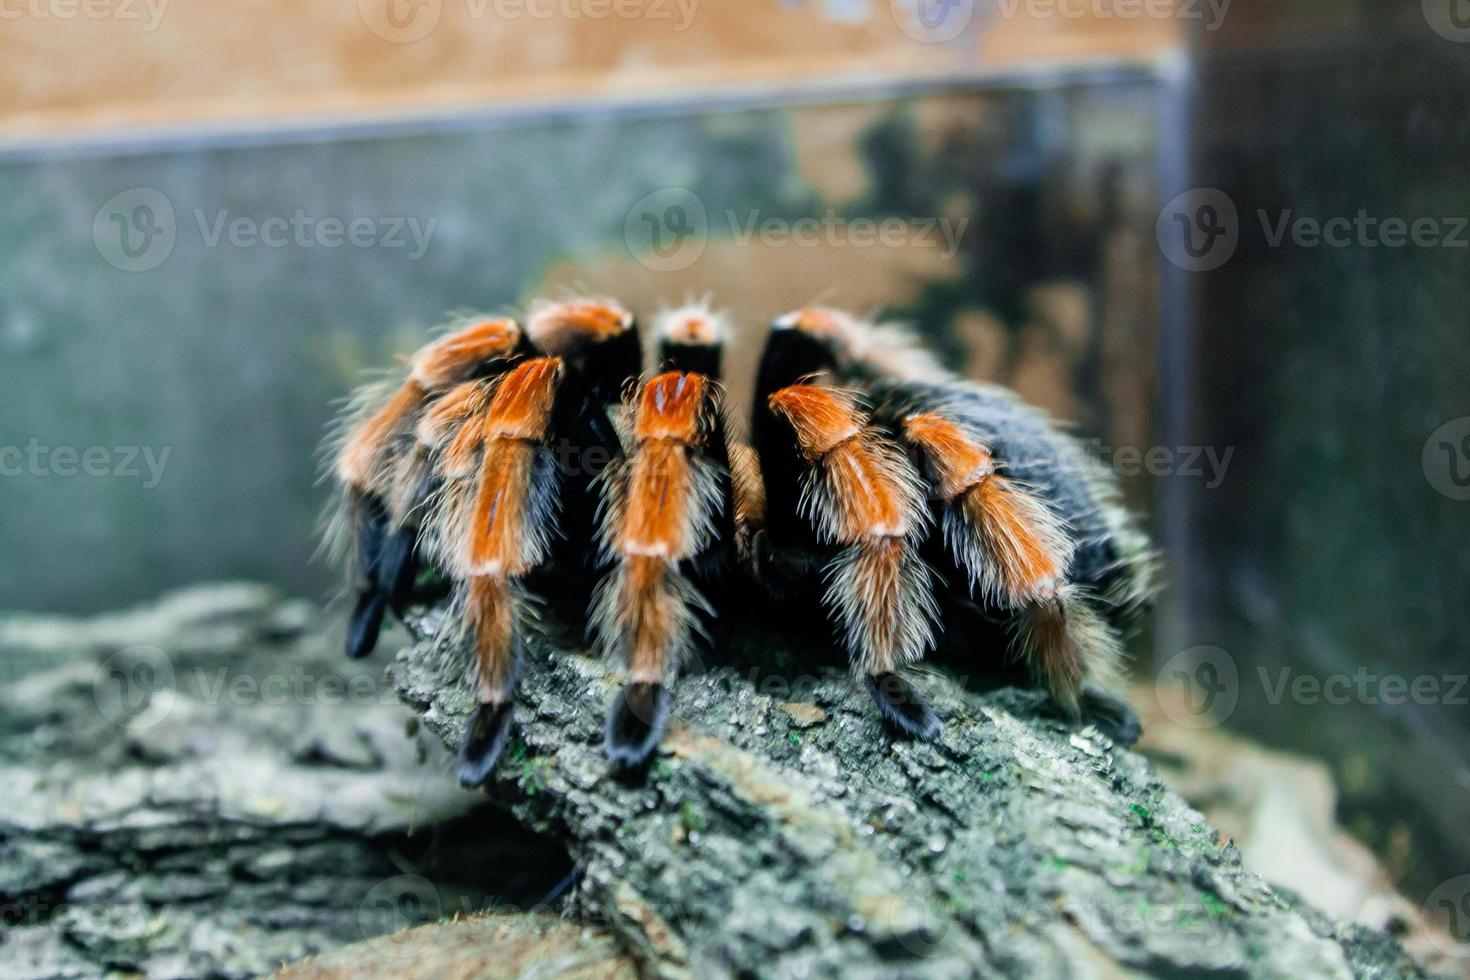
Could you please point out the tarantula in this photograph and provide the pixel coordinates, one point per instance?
(908, 503)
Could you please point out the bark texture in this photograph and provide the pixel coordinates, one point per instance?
(780, 832)
(205, 787)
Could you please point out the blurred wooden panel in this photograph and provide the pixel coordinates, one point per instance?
(71, 66)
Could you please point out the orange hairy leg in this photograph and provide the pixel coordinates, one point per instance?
(668, 516)
(383, 470)
(864, 507)
(500, 539)
(508, 507)
(434, 367)
(1015, 550)
(597, 337)
(359, 464)
(457, 356)
(1025, 548)
(493, 527)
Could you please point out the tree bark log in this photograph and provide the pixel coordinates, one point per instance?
(781, 832)
(259, 802)
(205, 787)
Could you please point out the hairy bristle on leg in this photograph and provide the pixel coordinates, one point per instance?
(360, 460)
(865, 351)
(385, 471)
(452, 358)
(1067, 642)
(562, 326)
(493, 613)
(491, 525)
(691, 339)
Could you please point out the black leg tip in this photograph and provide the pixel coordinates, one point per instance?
(366, 623)
(396, 567)
(1113, 716)
(903, 708)
(483, 742)
(635, 723)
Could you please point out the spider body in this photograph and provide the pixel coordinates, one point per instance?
(912, 506)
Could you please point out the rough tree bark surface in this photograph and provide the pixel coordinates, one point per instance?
(780, 832)
(205, 787)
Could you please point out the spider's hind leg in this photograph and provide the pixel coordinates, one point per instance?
(496, 614)
(493, 522)
(1112, 715)
(902, 707)
(635, 722)
(1017, 554)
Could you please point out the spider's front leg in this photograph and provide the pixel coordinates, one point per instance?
(668, 527)
(381, 493)
(839, 491)
(516, 495)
